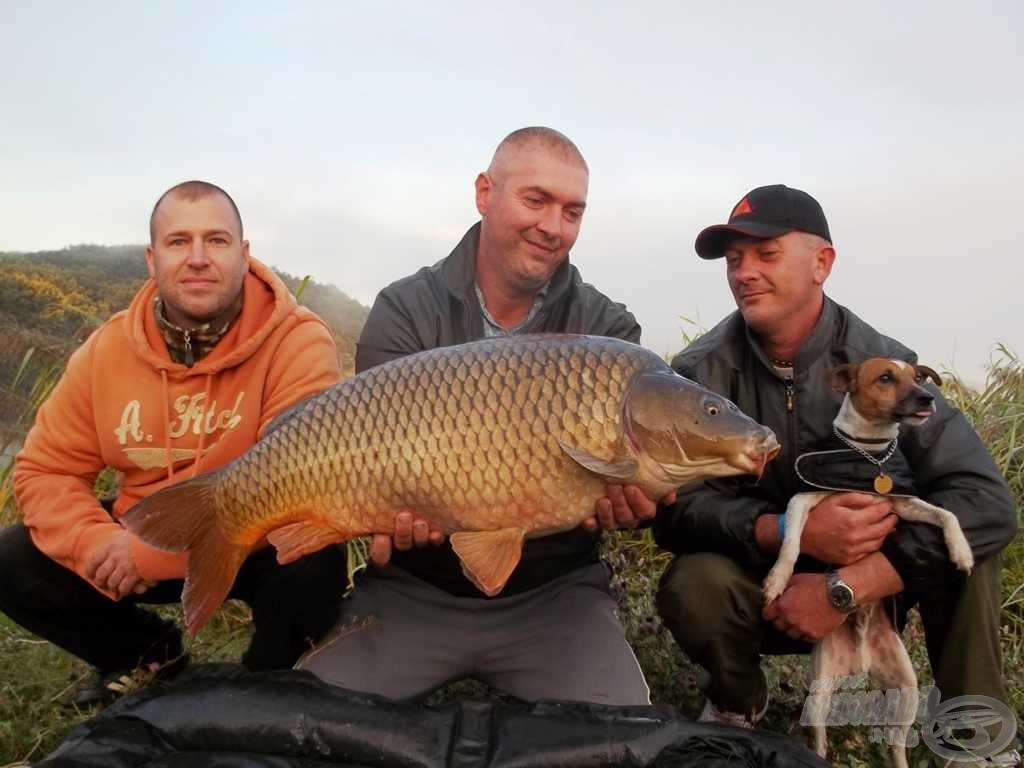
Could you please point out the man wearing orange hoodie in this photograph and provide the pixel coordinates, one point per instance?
(211, 349)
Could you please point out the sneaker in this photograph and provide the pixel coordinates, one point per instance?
(712, 714)
(104, 690)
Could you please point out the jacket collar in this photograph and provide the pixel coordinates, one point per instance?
(814, 347)
(265, 304)
(460, 271)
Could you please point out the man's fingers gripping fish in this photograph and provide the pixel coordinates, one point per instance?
(493, 442)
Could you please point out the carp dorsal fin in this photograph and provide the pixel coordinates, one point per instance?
(302, 538)
(489, 557)
(622, 469)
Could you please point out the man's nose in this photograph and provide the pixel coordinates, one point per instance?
(551, 221)
(197, 256)
(742, 270)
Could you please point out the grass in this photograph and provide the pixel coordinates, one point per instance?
(36, 679)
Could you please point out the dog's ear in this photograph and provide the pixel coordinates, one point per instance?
(928, 373)
(844, 378)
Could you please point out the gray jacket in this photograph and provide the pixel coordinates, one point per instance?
(437, 307)
(951, 466)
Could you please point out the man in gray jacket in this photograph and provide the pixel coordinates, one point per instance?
(772, 358)
(553, 632)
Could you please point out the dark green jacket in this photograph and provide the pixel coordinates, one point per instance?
(437, 307)
(951, 466)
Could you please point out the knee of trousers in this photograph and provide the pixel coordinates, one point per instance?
(314, 580)
(704, 594)
(19, 560)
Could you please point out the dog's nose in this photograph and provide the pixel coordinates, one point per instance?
(925, 398)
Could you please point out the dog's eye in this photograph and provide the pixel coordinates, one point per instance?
(886, 378)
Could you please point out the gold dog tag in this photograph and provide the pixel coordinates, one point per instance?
(883, 483)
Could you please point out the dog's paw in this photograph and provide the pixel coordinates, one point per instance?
(774, 583)
(960, 551)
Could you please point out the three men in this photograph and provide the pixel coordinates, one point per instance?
(214, 348)
(553, 631)
(211, 349)
(772, 359)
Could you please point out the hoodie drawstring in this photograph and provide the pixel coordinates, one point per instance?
(202, 424)
(167, 424)
(166, 397)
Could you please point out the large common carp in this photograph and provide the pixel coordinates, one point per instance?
(492, 441)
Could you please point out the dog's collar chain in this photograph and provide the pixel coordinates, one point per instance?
(883, 483)
(847, 440)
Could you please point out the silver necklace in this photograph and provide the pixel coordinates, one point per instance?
(883, 483)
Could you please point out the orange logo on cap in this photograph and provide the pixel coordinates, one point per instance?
(743, 206)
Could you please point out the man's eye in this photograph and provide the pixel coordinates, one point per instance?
(219, 240)
(534, 201)
(573, 216)
(176, 241)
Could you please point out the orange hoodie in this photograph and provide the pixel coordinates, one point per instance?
(123, 403)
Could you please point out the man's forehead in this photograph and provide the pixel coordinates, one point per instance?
(207, 213)
(548, 172)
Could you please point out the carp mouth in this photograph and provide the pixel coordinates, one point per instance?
(754, 460)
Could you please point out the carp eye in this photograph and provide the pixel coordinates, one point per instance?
(712, 409)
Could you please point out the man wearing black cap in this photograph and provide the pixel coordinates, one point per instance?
(772, 358)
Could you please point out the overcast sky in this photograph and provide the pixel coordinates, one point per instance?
(350, 134)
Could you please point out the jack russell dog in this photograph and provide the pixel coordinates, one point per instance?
(881, 395)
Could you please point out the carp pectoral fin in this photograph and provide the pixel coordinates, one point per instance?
(298, 539)
(489, 557)
(623, 469)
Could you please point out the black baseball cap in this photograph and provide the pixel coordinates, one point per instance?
(765, 212)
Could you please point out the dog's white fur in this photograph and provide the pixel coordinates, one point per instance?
(867, 642)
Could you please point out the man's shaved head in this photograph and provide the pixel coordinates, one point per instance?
(192, 191)
(533, 137)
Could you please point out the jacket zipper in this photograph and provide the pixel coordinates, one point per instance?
(189, 357)
(793, 449)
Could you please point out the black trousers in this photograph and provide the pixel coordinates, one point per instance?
(292, 605)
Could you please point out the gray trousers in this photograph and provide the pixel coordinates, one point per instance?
(403, 638)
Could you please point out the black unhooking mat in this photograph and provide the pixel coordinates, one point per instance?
(223, 716)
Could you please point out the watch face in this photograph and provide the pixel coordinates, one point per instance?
(841, 597)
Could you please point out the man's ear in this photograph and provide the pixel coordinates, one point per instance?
(928, 373)
(823, 260)
(844, 378)
(483, 190)
(150, 260)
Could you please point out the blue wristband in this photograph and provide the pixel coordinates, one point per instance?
(782, 527)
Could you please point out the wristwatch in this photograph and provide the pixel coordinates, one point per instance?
(840, 594)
